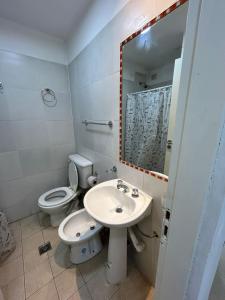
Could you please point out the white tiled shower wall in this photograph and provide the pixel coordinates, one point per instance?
(35, 139)
(94, 83)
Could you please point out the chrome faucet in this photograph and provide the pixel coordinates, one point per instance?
(121, 185)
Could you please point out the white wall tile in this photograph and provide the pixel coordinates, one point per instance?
(4, 108)
(20, 71)
(42, 136)
(62, 111)
(7, 137)
(34, 161)
(103, 98)
(60, 132)
(19, 198)
(10, 167)
(131, 175)
(59, 156)
(18, 211)
(24, 104)
(14, 191)
(103, 165)
(30, 134)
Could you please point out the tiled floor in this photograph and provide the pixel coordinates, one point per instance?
(51, 276)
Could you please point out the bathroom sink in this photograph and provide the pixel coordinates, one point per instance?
(118, 205)
(114, 208)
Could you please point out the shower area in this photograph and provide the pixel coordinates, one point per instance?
(146, 127)
(149, 111)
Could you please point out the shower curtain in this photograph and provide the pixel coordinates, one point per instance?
(146, 127)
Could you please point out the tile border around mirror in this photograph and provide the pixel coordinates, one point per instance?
(129, 38)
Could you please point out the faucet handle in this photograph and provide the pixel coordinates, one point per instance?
(135, 193)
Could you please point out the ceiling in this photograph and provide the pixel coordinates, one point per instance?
(53, 17)
(161, 44)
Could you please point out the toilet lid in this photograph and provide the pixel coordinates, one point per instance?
(73, 176)
(56, 197)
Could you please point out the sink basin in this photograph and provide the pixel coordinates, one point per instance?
(114, 208)
(117, 209)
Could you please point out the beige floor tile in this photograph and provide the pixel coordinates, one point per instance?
(48, 292)
(32, 259)
(68, 282)
(32, 242)
(10, 271)
(37, 278)
(94, 265)
(29, 226)
(15, 289)
(134, 287)
(99, 288)
(16, 230)
(60, 260)
(81, 294)
(51, 234)
(57, 246)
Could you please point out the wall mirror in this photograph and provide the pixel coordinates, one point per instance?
(150, 63)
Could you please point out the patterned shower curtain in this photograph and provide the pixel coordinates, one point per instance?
(146, 123)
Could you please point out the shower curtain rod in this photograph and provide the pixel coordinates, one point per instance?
(150, 90)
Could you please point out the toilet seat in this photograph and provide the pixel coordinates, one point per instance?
(56, 197)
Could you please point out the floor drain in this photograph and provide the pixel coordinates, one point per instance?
(44, 248)
(119, 210)
(77, 234)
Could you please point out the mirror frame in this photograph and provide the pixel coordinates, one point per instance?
(128, 39)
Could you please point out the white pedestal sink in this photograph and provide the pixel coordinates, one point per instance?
(117, 210)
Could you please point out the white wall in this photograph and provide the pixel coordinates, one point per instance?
(35, 139)
(130, 68)
(94, 82)
(164, 74)
(97, 17)
(22, 40)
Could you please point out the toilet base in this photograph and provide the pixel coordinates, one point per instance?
(56, 219)
(86, 250)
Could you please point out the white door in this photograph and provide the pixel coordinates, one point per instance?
(189, 253)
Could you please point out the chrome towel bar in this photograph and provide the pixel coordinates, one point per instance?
(107, 123)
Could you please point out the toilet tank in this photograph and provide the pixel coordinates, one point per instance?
(84, 169)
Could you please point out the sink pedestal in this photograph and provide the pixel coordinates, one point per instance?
(117, 255)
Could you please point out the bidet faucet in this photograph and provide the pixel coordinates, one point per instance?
(121, 185)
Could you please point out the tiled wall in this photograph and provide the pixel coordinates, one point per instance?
(35, 140)
(94, 81)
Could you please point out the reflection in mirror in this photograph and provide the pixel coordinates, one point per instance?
(150, 78)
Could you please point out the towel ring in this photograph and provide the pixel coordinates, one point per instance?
(48, 97)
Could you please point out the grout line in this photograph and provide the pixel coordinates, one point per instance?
(38, 289)
(53, 278)
(89, 291)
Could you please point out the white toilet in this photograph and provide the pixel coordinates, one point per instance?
(81, 232)
(56, 201)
